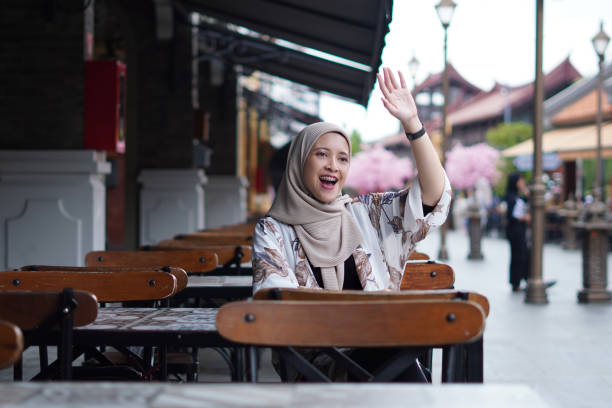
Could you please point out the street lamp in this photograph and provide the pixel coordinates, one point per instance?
(536, 289)
(445, 10)
(413, 65)
(600, 43)
(596, 229)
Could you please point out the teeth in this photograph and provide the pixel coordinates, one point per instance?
(330, 179)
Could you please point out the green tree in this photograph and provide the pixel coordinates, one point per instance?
(505, 135)
(355, 141)
(501, 137)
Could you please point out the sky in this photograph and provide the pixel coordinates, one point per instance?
(489, 41)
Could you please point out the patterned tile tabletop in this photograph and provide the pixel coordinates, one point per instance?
(219, 281)
(166, 319)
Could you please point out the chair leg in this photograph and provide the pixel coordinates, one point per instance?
(253, 362)
(474, 364)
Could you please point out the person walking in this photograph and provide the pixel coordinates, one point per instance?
(517, 219)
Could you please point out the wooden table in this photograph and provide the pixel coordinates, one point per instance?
(156, 395)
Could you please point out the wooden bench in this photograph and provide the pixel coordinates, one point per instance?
(247, 228)
(38, 314)
(200, 261)
(11, 344)
(423, 275)
(411, 325)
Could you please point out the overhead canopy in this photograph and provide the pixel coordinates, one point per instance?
(569, 143)
(353, 30)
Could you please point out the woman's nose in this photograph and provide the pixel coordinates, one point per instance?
(332, 164)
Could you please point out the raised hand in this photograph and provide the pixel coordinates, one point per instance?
(398, 100)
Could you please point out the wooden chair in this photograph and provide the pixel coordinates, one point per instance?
(218, 239)
(418, 256)
(411, 325)
(200, 261)
(11, 344)
(424, 275)
(179, 273)
(39, 314)
(247, 227)
(301, 294)
(230, 257)
(107, 286)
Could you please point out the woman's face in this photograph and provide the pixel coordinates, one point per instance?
(327, 166)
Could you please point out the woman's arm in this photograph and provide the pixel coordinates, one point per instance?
(399, 102)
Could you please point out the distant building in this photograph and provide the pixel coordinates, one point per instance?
(471, 120)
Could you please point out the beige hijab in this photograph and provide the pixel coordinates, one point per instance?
(327, 232)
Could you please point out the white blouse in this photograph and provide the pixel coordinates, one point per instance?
(390, 223)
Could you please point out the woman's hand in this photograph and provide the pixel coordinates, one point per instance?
(398, 100)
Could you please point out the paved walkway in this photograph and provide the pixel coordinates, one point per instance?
(561, 349)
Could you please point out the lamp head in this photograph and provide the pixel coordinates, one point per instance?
(445, 9)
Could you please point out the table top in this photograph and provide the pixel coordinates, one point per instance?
(219, 281)
(164, 395)
(152, 319)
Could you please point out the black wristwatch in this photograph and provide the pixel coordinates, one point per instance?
(416, 135)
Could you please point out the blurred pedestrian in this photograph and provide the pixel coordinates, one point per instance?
(518, 217)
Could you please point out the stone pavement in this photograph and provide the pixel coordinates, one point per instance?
(560, 349)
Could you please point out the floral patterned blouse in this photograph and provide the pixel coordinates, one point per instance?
(390, 223)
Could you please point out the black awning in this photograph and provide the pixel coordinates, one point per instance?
(350, 29)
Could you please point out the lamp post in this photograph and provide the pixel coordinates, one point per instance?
(600, 43)
(536, 289)
(413, 66)
(595, 230)
(445, 10)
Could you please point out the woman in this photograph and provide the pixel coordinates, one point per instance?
(314, 237)
(516, 229)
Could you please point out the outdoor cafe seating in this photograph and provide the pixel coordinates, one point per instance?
(432, 314)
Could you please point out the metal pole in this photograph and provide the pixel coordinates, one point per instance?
(443, 254)
(599, 196)
(536, 290)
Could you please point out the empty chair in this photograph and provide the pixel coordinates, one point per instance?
(230, 257)
(40, 314)
(423, 275)
(418, 256)
(107, 286)
(178, 273)
(11, 344)
(200, 261)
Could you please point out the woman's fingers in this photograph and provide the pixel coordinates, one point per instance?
(388, 82)
(392, 78)
(402, 80)
(382, 86)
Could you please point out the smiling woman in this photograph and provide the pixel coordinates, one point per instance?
(315, 237)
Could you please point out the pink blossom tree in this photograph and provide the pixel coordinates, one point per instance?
(378, 169)
(465, 165)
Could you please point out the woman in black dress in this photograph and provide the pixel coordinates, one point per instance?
(516, 229)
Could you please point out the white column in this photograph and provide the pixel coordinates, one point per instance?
(171, 202)
(227, 203)
(52, 206)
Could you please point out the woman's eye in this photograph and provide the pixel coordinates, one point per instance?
(344, 159)
(321, 154)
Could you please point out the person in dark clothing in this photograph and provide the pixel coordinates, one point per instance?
(516, 229)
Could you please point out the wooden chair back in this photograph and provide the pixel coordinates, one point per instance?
(11, 344)
(191, 261)
(245, 228)
(378, 323)
(179, 273)
(427, 275)
(211, 238)
(225, 253)
(301, 294)
(418, 256)
(107, 286)
(29, 309)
